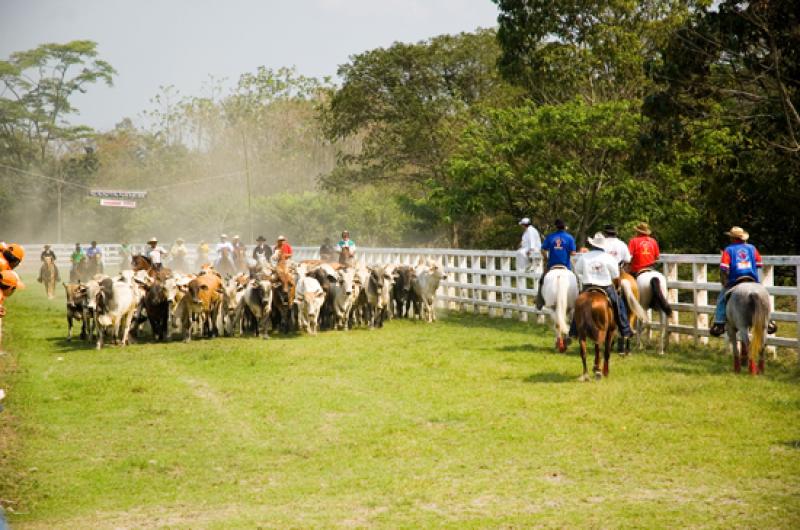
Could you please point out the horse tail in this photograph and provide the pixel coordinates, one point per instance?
(760, 316)
(562, 288)
(659, 302)
(633, 302)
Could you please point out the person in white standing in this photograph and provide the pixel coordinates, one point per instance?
(529, 247)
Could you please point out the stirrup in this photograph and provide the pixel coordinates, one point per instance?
(717, 329)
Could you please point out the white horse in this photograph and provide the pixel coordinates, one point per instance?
(653, 295)
(560, 289)
(748, 308)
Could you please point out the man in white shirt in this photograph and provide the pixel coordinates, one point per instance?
(529, 247)
(224, 254)
(154, 253)
(617, 248)
(597, 268)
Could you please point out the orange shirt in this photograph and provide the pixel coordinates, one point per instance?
(644, 252)
(4, 265)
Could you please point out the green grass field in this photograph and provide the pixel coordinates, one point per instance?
(469, 422)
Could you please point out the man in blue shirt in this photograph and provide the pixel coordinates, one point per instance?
(557, 249)
(740, 261)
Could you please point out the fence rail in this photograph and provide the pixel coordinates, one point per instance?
(486, 281)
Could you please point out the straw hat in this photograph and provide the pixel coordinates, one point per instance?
(643, 228)
(599, 240)
(738, 233)
(153, 239)
(281, 238)
(179, 240)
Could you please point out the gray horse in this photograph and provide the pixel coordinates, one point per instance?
(748, 307)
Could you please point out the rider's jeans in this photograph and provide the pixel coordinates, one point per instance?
(722, 304)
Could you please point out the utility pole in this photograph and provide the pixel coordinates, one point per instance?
(249, 194)
(59, 187)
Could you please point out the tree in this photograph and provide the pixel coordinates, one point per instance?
(571, 160)
(37, 86)
(735, 68)
(597, 50)
(407, 104)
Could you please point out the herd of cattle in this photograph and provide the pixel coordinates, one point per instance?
(288, 296)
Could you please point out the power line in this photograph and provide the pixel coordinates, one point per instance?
(54, 179)
(166, 186)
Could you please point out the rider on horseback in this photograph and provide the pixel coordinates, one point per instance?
(94, 254)
(154, 253)
(557, 249)
(643, 249)
(47, 253)
(224, 252)
(77, 256)
(597, 268)
(740, 261)
(346, 248)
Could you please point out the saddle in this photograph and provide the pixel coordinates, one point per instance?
(554, 267)
(596, 289)
(646, 269)
(739, 281)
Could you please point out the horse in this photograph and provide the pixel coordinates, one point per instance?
(560, 289)
(748, 308)
(653, 295)
(636, 313)
(93, 266)
(79, 272)
(48, 275)
(594, 319)
(240, 259)
(283, 288)
(143, 263)
(224, 264)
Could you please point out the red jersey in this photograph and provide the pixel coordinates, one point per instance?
(644, 252)
(285, 250)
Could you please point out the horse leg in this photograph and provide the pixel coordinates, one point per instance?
(585, 376)
(737, 361)
(597, 373)
(607, 354)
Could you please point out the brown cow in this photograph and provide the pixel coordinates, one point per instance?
(78, 309)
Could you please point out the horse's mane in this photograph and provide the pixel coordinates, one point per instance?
(142, 257)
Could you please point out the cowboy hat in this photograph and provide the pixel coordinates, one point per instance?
(643, 228)
(599, 240)
(153, 239)
(738, 233)
(179, 240)
(261, 238)
(281, 238)
(525, 221)
(610, 230)
(223, 236)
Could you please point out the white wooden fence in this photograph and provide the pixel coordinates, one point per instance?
(486, 282)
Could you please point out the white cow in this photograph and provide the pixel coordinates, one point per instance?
(425, 284)
(309, 297)
(343, 296)
(116, 304)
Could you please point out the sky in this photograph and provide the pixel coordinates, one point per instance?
(154, 43)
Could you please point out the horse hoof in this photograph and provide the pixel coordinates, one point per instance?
(598, 376)
(584, 378)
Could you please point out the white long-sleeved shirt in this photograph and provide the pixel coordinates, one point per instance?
(155, 254)
(531, 240)
(597, 268)
(618, 250)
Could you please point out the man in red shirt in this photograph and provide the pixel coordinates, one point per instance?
(644, 249)
(282, 249)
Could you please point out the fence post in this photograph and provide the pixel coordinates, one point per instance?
(672, 298)
(475, 279)
(768, 280)
(491, 281)
(505, 266)
(700, 275)
(522, 299)
(462, 279)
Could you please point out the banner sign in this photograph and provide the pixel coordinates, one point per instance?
(118, 194)
(118, 203)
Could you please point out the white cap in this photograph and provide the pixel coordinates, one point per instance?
(525, 221)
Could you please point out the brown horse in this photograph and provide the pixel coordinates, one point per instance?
(48, 276)
(283, 307)
(143, 263)
(594, 319)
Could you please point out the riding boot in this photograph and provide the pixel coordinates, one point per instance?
(573, 329)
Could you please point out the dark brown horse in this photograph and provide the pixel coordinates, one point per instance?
(594, 319)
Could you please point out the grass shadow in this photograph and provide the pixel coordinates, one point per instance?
(791, 444)
(548, 377)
